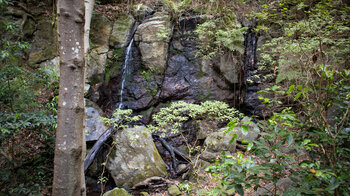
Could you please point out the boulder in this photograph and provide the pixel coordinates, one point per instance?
(140, 11)
(52, 68)
(121, 31)
(217, 142)
(253, 132)
(94, 127)
(173, 190)
(282, 184)
(117, 192)
(152, 38)
(134, 158)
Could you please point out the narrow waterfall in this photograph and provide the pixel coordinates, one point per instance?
(251, 103)
(126, 71)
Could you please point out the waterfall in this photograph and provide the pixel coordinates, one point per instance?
(251, 103)
(126, 71)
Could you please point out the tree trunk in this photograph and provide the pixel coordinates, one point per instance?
(70, 139)
(89, 7)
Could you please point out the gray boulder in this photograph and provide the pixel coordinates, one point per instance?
(135, 158)
(153, 37)
(253, 132)
(282, 184)
(52, 67)
(94, 127)
(217, 142)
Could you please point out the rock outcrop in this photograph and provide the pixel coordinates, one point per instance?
(135, 158)
(121, 31)
(153, 37)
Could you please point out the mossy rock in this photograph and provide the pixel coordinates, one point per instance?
(117, 192)
(174, 190)
(135, 159)
(121, 31)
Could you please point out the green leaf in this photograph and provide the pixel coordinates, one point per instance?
(250, 146)
(239, 189)
(297, 96)
(290, 89)
(290, 139)
(244, 129)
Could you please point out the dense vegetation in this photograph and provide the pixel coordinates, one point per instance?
(27, 115)
(306, 52)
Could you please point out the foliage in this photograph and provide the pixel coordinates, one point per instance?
(217, 36)
(238, 170)
(314, 33)
(173, 117)
(311, 56)
(120, 119)
(26, 117)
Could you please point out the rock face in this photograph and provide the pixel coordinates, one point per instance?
(94, 127)
(153, 37)
(230, 67)
(135, 158)
(99, 37)
(121, 31)
(43, 46)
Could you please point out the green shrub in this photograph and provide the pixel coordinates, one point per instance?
(208, 113)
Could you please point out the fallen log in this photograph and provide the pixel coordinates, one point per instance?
(96, 148)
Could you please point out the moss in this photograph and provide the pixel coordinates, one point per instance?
(201, 74)
(42, 55)
(117, 192)
(113, 65)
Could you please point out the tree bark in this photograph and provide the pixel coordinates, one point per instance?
(89, 7)
(70, 138)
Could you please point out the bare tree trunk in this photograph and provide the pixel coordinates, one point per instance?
(70, 139)
(89, 7)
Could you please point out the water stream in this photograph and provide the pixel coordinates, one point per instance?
(126, 71)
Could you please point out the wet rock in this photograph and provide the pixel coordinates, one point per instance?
(152, 38)
(173, 190)
(121, 31)
(94, 127)
(176, 82)
(117, 192)
(135, 158)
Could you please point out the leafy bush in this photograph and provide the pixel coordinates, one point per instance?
(173, 117)
(27, 117)
(217, 36)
